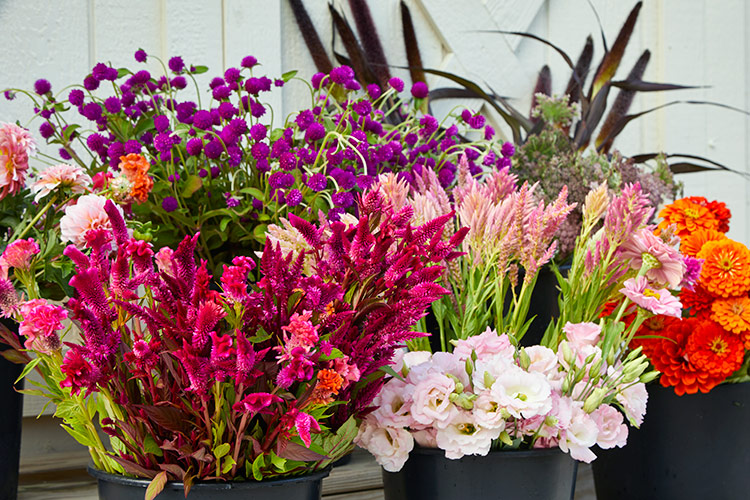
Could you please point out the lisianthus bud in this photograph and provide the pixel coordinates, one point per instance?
(469, 367)
(524, 359)
(648, 377)
(567, 353)
(488, 379)
(594, 400)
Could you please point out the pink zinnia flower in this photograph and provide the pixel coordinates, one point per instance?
(669, 266)
(87, 214)
(60, 176)
(41, 320)
(18, 256)
(656, 301)
(16, 145)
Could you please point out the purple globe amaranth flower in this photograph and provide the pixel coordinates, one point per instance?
(341, 74)
(257, 204)
(446, 177)
(314, 132)
(508, 149)
(429, 125)
(227, 110)
(46, 130)
(232, 74)
(503, 162)
(258, 132)
(362, 108)
(176, 64)
(132, 147)
(169, 204)
(214, 149)
(489, 132)
(238, 125)
(42, 86)
(161, 123)
(231, 201)
(419, 90)
(316, 80)
(373, 90)
(278, 82)
(352, 85)
(221, 92)
(64, 154)
(216, 82)
(476, 121)
(317, 182)
(112, 105)
(9, 95)
(281, 180)
(215, 171)
(178, 82)
(163, 142)
(165, 156)
(140, 56)
(257, 109)
(259, 150)
(140, 78)
(248, 62)
(202, 119)
(288, 161)
(396, 84)
(293, 198)
(344, 199)
(304, 119)
(95, 142)
(90, 83)
(128, 99)
(194, 146)
(202, 173)
(100, 71)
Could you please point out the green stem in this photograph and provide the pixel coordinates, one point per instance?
(31, 224)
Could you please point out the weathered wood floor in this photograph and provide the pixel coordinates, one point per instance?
(359, 480)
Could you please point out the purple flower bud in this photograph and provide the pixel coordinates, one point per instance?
(314, 132)
(95, 142)
(64, 154)
(411, 138)
(248, 62)
(140, 56)
(147, 138)
(114, 152)
(42, 86)
(169, 204)
(238, 125)
(476, 121)
(316, 79)
(253, 86)
(111, 74)
(508, 149)
(47, 113)
(281, 180)
(265, 83)
(304, 119)
(352, 85)
(214, 149)
(362, 108)
(258, 132)
(278, 82)
(374, 91)
(179, 82)
(419, 90)
(396, 84)
(128, 98)
(503, 162)
(446, 176)
(90, 83)
(293, 198)
(466, 115)
(194, 146)
(176, 64)
(9, 95)
(46, 130)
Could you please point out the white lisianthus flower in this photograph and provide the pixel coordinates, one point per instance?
(521, 393)
(389, 445)
(394, 404)
(431, 404)
(464, 436)
(580, 436)
(488, 412)
(612, 431)
(633, 399)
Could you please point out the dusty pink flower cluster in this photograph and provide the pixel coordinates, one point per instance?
(486, 394)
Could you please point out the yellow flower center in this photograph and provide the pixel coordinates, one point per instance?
(718, 345)
(650, 293)
(467, 429)
(738, 308)
(692, 213)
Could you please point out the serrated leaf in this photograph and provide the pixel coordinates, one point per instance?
(156, 485)
(221, 450)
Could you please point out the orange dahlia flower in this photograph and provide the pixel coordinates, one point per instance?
(714, 350)
(688, 217)
(692, 243)
(726, 268)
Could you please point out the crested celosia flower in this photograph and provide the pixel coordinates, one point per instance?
(16, 146)
(726, 268)
(626, 213)
(41, 321)
(665, 264)
(688, 216)
(9, 300)
(87, 214)
(657, 301)
(18, 255)
(692, 243)
(62, 176)
(327, 385)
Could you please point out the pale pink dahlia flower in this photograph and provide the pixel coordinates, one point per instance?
(16, 145)
(87, 214)
(60, 176)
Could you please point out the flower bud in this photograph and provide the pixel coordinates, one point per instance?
(524, 359)
(505, 438)
(469, 367)
(488, 379)
(567, 353)
(594, 400)
(648, 377)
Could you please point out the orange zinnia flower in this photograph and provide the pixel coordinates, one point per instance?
(718, 208)
(135, 168)
(649, 332)
(726, 268)
(697, 301)
(688, 217)
(692, 243)
(714, 350)
(733, 314)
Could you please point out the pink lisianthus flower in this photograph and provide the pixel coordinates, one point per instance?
(16, 145)
(582, 334)
(389, 445)
(612, 431)
(580, 435)
(487, 411)
(543, 360)
(62, 176)
(521, 393)
(655, 301)
(670, 266)
(426, 438)
(394, 404)
(18, 255)
(87, 214)
(633, 399)
(487, 343)
(41, 321)
(430, 401)
(462, 435)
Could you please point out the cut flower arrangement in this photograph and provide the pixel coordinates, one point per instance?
(709, 344)
(483, 391)
(245, 381)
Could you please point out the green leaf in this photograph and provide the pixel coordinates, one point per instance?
(197, 70)
(261, 336)
(156, 485)
(79, 436)
(69, 131)
(26, 369)
(289, 75)
(278, 462)
(224, 223)
(335, 354)
(258, 463)
(390, 371)
(221, 450)
(276, 134)
(150, 446)
(257, 193)
(260, 232)
(192, 184)
(228, 464)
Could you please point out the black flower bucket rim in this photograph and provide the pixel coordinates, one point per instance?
(535, 452)
(120, 479)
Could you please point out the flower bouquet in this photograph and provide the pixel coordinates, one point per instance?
(700, 407)
(197, 381)
(483, 392)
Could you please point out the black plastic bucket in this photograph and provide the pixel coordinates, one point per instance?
(307, 487)
(545, 474)
(11, 408)
(692, 446)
